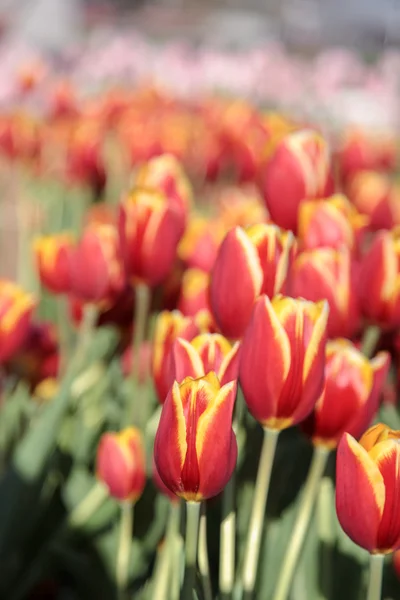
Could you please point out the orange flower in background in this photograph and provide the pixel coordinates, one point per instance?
(375, 195)
(52, 254)
(170, 326)
(299, 169)
(282, 360)
(241, 207)
(63, 101)
(368, 489)
(332, 223)
(16, 308)
(199, 246)
(165, 174)
(379, 280)
(95, 268)
(206, 352)
(361, 150)
(350, 400)
(250, 262)
(194, 293)
(326, 273)
(85, 161)
(150, 229)
(120, 464)
(195, 448)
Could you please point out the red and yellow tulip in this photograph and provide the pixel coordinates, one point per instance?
(52, 258)
(16, 307)
(368, 489)
(120, 464)
(194, 294)
(282, 360)
(195, 448)
(349, 401)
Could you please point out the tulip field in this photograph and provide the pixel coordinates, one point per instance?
(199, 338)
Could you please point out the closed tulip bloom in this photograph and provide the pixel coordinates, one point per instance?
(331, 223)
(368, 489)
(52, 258)
(195, 448)
(165, 174)
(199, 246)
(120, 464)
(299, 169)
(326, 273)
(150, 229)
(16, 308)
(282, 360)
(350, 399)
(375, 195)
(195, 292)
(170, 326)
(379, 280)
(95, 270)
(206, 352)
(250, 262)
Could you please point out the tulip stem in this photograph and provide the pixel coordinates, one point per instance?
(88, 505)
(87, 326)
(204, 566)
(227, 541)
(124, 548)
(370, 340)
(253, 542)
(63, 331)
(375, 576)
(167, 568)
(191, 546)
(301, 525)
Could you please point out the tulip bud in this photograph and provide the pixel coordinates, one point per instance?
(368, 488)
(379, 280)
(150, 229)
(195, 448)
(373, 194)
(199, 246)
(165, 174)
(16, 307)
(52, 258)
(326, 273)
(240, 207)
(194, 293)
(258, 258)
(299, 169)
(120, 464)
(158, 482)
(206, 352)
(332, 223)
(95, 269)
(170, 326)
(349, 401)
(282, 360)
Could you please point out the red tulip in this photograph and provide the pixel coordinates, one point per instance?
(194, 293)
(52, 258)
(16, 307)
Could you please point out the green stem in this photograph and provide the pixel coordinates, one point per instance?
(88, 506)
(177, 555)
(326, 530)
(124, 548)
(375, 576)
(167, 568)
(204, 566)
(191, 545)
(227, 541)
(301, 525)
(370, 340)
(63, 328)
(87, 327)
(253, 542)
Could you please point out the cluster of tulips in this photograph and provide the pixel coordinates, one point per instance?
(279, 300)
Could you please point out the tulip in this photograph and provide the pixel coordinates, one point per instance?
(199, 246)
(150, 229)
(52, 258)
(195, 448)
(95, 269)
(379, 280)
(299, 169)
(85, 162)
(326, 273)
(206, 352)
(332, 223)
(241, 207)
(249, 262)
(16, 307)
(367, 489)
(120, 464)
(282, 360)
(170, 326)
(360, 152)
(194, 293)
(349, 401)
(165, 174)
(375, 195)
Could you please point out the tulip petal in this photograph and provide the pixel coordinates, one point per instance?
(186, 361)
(229, 369)
(360, 493)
